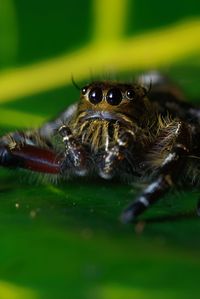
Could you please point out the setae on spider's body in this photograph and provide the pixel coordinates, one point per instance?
(117, 130)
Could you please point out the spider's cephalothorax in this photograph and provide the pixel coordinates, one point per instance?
(116, 130)
(111, 122)
(108, 110)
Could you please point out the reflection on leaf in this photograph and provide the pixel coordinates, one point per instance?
(11, 291)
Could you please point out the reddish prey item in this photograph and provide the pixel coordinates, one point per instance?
(37, 159)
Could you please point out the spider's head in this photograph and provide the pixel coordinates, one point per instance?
(112, 100)
(108, 109)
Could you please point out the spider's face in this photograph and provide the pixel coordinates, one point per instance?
(106, 110)
(111, 100)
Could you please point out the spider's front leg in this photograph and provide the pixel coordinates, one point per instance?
(33, 152)
(76, 156)
(168, 174)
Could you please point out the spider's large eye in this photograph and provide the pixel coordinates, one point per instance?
(130, 94)
(114, 96)
(95, 95)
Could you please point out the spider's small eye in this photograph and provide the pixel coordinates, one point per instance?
(130, 94)
(84, 90)
(95, 95)
(114, 96)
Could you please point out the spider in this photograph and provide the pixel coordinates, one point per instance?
(117, 130)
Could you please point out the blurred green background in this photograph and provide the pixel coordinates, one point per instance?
(65, 241)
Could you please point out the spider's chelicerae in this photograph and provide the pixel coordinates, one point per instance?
(117, 130)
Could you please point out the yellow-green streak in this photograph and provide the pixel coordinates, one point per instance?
(150, 50)
(109, 20)
(11, 291)
(19, 119)
(118, 292)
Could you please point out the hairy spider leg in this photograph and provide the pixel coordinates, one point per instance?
(167, 175)
(113, 156)
(169, 97)
(109, 160)
(75, 153)
(18, 150)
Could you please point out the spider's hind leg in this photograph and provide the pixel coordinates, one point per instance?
(168, 97)
(168, 173)
(155, 190)
(161, 89)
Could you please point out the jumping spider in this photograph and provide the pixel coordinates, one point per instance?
(117, 130)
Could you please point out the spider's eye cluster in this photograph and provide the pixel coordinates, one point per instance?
(114, 96)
